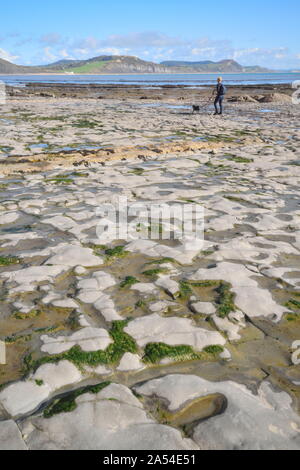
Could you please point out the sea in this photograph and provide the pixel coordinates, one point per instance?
(156, 80)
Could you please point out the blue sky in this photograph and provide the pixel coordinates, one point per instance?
(252, 32)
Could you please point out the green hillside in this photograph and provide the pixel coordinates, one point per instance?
(92, 67)
(128, 64)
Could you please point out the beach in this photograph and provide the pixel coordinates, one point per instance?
(150, 343)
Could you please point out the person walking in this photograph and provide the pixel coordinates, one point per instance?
(220, 90)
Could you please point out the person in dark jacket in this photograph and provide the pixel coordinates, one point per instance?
(220, 89)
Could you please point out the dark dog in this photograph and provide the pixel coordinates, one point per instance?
(196, 108)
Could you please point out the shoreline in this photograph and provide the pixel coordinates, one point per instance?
(157, 79)
(154, 73)
(155, 92)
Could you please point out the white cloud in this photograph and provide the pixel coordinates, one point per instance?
(242, 52)
(81, 52)
(48, 54)
(110, 51)
(65, 54)
(7, 56)
(261, 56)
(207, 52)
(153, 46)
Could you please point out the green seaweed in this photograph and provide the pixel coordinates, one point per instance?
(184, 289)
(140, 304)
(84, 123)
(225, 300)
(213, 349)
(241, 159)
(207, 252)
(39, 382)
(137, 171)
(162, 261)
(17, 338)
(116, 252)
(78, 174)
(60, 179)
(68, 402)
(154, 272)
(46, 329)
(155, 352)
(8, 260)
(28, 363)
(207, 283)
(292, 317)
(25, 316)
(292, 304)
(122, 343)
(97, 249)
(128, 281)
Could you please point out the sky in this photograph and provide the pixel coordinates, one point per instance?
(252, 32)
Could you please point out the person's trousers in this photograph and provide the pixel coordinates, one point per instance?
(219, 100)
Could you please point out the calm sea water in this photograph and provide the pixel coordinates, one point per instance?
(149, 80)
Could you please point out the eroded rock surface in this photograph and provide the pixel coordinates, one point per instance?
(160, 343)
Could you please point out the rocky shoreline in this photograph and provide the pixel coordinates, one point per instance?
(145, 92)
(149, 344)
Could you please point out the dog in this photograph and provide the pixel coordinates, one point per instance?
(196, 108)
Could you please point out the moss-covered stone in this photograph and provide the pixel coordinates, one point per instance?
(111, 355)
